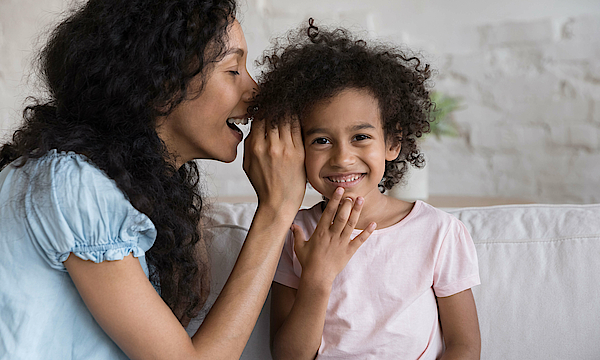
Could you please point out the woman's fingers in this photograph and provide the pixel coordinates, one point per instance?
(296, 131)
(272, 131)
(257, 129)
(275, 165)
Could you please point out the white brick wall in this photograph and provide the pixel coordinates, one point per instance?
(529, 74)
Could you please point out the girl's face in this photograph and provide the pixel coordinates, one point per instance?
(345, 145)
(198, 127)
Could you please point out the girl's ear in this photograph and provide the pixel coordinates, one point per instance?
(393, 150)
(393, 146)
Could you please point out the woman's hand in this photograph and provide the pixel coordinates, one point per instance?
(274, 163)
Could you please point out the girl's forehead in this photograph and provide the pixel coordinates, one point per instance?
(350, 109)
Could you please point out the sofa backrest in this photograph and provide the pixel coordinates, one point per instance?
(539, 265)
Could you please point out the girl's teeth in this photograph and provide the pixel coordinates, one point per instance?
(346, 180)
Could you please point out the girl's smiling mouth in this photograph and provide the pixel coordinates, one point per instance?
(345, 180)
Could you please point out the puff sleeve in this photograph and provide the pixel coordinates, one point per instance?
(456, 268)
(71, 206)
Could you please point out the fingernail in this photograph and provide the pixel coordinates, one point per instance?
(339, 190)
(359, 200)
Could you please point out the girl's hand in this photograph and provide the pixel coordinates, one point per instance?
(330, 248)
(274, 163)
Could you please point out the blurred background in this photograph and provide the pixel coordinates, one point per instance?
(525, 74)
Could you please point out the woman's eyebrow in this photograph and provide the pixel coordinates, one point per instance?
(238, 51)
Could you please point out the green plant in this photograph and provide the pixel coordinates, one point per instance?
(443, 122)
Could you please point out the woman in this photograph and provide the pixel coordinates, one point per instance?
(100, 254)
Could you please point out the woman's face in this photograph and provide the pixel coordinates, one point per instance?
(198, 127)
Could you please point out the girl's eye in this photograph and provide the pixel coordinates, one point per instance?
(234, 72)
(320, 141)
(360, 137)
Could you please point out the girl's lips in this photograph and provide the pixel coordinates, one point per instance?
(346, 180)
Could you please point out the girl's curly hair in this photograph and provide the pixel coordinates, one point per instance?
(310, 65)
(111, 67)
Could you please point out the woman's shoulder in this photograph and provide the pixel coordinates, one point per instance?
(67, 176)
(70, 204)
(62, 164)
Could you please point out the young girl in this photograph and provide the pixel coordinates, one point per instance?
(405, 293)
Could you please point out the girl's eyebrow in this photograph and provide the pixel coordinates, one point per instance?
(352, 129)
(362, 127)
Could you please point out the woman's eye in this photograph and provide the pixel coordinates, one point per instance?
(234, 72)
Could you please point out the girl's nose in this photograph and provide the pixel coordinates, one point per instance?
(342, 157)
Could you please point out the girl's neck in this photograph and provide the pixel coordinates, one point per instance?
(383, 210)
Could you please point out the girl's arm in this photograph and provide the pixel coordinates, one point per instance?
(297, 317)
(458, 318)
(127, 307)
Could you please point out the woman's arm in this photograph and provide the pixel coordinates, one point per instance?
(127, 307)
(458, 318)
(298, 317)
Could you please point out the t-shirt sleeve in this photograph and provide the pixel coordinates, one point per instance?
(456, 268)
(73, 207)
(285, 274)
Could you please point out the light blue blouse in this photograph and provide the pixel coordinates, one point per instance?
(52, 207)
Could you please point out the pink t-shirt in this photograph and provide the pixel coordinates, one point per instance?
(383, 304)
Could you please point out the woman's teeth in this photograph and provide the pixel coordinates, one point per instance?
(241, 125)
(242, 121)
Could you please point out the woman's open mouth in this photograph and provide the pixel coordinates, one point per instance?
(240, 125)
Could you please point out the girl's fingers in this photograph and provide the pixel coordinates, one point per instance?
(353, 219)
(362, 237)
(331, 208)
(342, 216)
(299, 238)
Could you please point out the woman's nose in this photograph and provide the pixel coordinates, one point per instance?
(251, 88)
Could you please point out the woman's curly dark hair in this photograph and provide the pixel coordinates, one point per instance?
(111, 68)
(310, 65)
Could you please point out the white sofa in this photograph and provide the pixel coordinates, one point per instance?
(539, 296)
